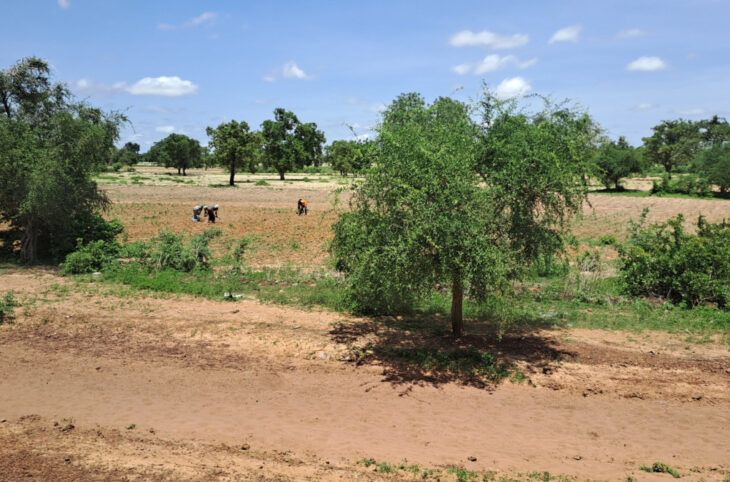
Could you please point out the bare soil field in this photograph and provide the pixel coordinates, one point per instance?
(102, 383)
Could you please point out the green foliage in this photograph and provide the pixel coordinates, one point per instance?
(713, 164)
(452, 201)
(660, 468)
(8, 304)
(261, 182)
(673, 144)
(349, 156)
(235, 147)
(94, 256)
(664, 260)
(690, 184)
(178, 151)
(289, 144)
(50, 146)
(616, 160)
(168, 251)
(128, 155)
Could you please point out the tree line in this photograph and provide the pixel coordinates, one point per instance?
(699, 149)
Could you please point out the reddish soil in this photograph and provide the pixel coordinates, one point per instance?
(169, 388)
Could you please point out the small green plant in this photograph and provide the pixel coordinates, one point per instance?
(462, 474)
(608, 240)
(7, 306)
(662, 468)
(131, 426)
(261, 182)
(385, 468)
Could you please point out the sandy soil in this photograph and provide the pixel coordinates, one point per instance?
(170, 388)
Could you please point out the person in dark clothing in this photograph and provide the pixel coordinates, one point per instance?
(212, 214)
(301, 207)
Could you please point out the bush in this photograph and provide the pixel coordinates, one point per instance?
(117, 166)
(168, 251)
(688, 184)
(95, 256)
(7, 306)
(664, 260)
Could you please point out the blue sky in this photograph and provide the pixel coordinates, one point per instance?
(179, 66)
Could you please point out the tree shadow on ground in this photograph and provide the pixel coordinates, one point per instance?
(421, 350)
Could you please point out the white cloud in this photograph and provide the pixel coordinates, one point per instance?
(647, 64)
(98, 89)
(205, 19)
(467, 38)
(378, 108)
(165, 129)
(64, 3)
(567, 34)
(292, 71)
(513, 87)
(490, 63)
(289, 70)
(631, 33)
(643, 106)
(691, 112)
(166, 86)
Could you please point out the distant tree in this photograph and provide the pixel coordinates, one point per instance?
(289, 144)
(616, 160)
(713, 160)
(178, 151)
(309, 143)
(673, 144)
(713, 164)
(235, 147)
(455, 201)
(343, 156)
(128, 154)
(50, 146)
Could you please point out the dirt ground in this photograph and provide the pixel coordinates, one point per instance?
(98, 383)
(96, 386)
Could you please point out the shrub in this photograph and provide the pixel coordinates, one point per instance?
(94, 256)
(664, 260)
(7, 306)
(117, 166)
(691, 184)
(168, 251)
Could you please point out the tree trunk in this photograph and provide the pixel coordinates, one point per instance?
(184, 172)
(457, 298)
(178, 171)
(669, 171)
(233, 173)
(281, 176)
(28, 243)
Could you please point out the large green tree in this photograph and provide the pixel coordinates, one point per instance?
(289, 144)
(673, 144)
(459, 202)
(616, 160)
(177, 151)
(50, 146)
(235, 147)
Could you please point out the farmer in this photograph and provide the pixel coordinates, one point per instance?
(212, 213)
(301, 207)
(196, 213)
